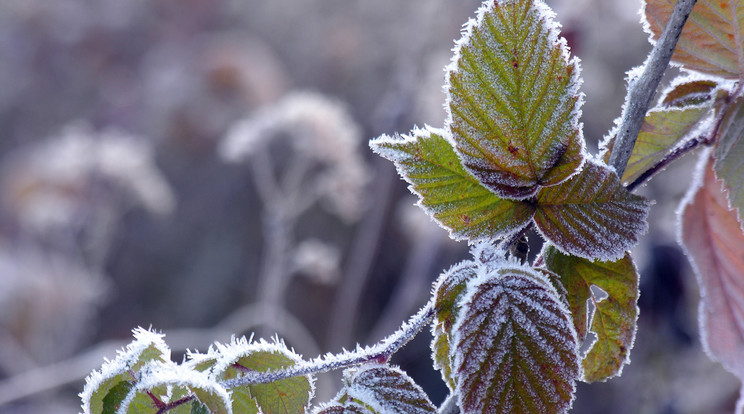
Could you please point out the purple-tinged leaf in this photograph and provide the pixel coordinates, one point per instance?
(713, 240)
(387, 389)
(513, 99)
(453, 197)
(515, 350)
(591, 215)
(615, 315)
(729, 157)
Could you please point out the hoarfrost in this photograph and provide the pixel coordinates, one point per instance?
(125, 360)
(513, 323)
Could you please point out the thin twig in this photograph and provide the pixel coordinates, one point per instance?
(379, 352)
(641, 90)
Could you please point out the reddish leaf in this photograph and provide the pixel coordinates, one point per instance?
(712, 40)
(713, 239)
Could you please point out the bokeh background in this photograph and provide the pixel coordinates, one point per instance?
(201, 167)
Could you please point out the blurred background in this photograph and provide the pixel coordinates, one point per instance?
(201, 167)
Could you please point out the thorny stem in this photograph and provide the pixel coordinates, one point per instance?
(642, 89)
(380, 352)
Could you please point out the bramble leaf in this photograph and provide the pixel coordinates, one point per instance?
(291, 395)
(661, 131)
(455, 199)
(386, 389)
(688, 91)
(729, 158)
(713, 240)
(169, 382)
(591, 215)
(513, 99)
(448, 291)
(117, 393)
(712, 40)
(615, 315)
(147, 346)
(515, 349)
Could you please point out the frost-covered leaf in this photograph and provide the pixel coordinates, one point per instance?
(688, 91)
(712, 40)
(117, 393)
(291, 395)
(513, 99)
(147, 346)
(615, 315)
(680, 113)
(446, 191)
(387, 390)
(729, 155)
(516, 349)
(198, 408)
(448, 291)
(243, 402)
(349, 407)
(661, 131)
(591, 215)
(712, 237)
(169, 382)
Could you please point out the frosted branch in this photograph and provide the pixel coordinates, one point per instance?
(329, 362)
(642, 89)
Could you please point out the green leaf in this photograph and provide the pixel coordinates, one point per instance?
(243, 402)
(615, 316)
(729, 158)
(516, 349)
(147, 346)
(386, 389)
(591, 215)
(712, 40)
(661, 131)
(448, 291)
(169, 382)
(514, 101)
(291, 395)
(453, 197)
(117, 393)
(199, 408)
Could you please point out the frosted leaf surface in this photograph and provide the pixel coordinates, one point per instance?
(448, 291)
(591, 215)
(680, 114)
(453, 197)
(713, 240)
(513, 99)
(169, 382)
(729, 155)
(688, 91)
(616, 311)
(515, 350)
(387, 390)
(291, 395)
(147, 346)
(712, 40)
